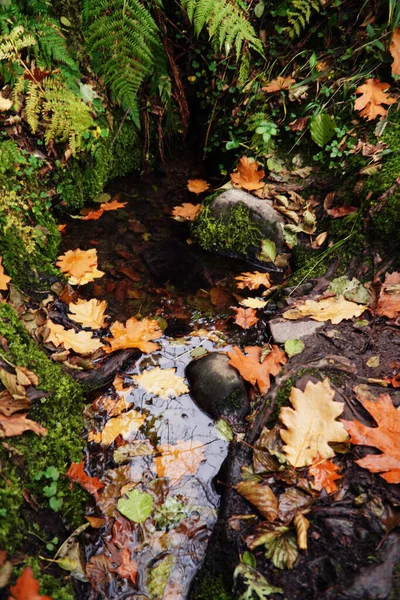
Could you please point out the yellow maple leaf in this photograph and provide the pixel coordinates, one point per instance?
(333, 309)
(394, 50)
(178, 460)
(163, 383)
(247, 175)
(80, 265)
(134, 334)
(4, 279)
(124, 425)
(186, 212)
(311, 425)
(89, 313)
(81, 342)
(253, 303)
(253, 280)
(373, 95)
(197, 186)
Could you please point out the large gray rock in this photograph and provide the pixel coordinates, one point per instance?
(262, 213)
(283, 330)
(216, 387)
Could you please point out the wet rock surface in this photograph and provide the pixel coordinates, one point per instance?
(216, 387)
(283, 330)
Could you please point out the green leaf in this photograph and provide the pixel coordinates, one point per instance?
(282, 548)
(66, 22)
(256, 586)
(322, 129)
(268, 251)
(224, 430)
(136, 506)
(50, 490)
(52, 473)
(249, 559)
(259, 9)
(293, 347)
(56, 503)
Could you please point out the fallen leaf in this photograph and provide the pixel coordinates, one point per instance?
(81, 342)
(134, 334)
(26, 377)
(76, 473)
(252, 370)
(388, 304)
(373, 362)
(112, 205)
(197, 186)
(5, 103)
(27, 587)
(325, 473)
(261, 496)
(385, 436)
(178, 460)
(247, 175)
(334, 309)
(394, 49)
(89, 313)
(299, 124)
(293, 347)
(280, 544)
(373, 95)
(136, 506)
(96, 522)
(80, 265)
(62, 227)
(301, 524)
(245, 317)
(17, 424)
(253, 280)
(186, 212)
(337, 211)
(10, 405)
(4, 279)
(163, 383)
(253, 302)
(278, 84)
(91, 215)
(124, 425)
(219, 298)
(311, 425)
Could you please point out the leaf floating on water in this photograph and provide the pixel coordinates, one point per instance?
(163, 383)
(178, 460)
(253, 280)
(124, 425)
(134, 334)
(76, 473)
(158, 576)
(245, 317)
(136, 506)
(89, 313)
(335, 310)
(80, 265)
(252, 370)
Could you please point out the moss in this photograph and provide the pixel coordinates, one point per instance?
(61, 413)
(236, 234)
(282, 398)
(209, 587)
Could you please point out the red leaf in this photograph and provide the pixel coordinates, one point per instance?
(77, 474)
(26, 588)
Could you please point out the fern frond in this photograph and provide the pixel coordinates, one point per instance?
(299, 15)
(32, 106)
(13, 42)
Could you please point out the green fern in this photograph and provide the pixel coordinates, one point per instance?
(13, 42)
(299, 15)
(226, 22)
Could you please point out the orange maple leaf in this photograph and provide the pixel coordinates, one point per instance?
(325, 473)
(373, 95)
(89, 313)
(91, 215)
(394, 50)
(278, 84)
(186, 212)
(76, 473)
(197, 186)
(81, 342)
(80, 265)
(245, 317)
(134, 334)
(27, 587)
(389, 298)
(4, 279)
(178, 460)
(253, 280)
(247, 175)
(254, 371)
(113, 204)
(385, 437)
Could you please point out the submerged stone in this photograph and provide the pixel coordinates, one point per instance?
(216, 387)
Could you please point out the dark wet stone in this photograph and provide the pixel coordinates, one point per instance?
(216, 387)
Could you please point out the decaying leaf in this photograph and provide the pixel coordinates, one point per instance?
(124, 425)
(278, 84)
(311, 425)
(178, 460)
(256, 372)
(5, 103)
(163, 383)
(260, 496)
(334, 309)
(301, 524)
(385, 437)
(325, 473)
(253, 302)
(134, 334)
(388, 304)
(27, 587)
(4, 279)
(17, 424)
(76, 473)
(89, 313)
(256, 586)
(113, 204)
(280, 544)
(245, 317)
(253, 280)
(80, 265)
(267, 454)
(337, 211)
(247, 175)
(186, 212)
(394, 50)
(81, 342)
(373, 95)
(136, 506)
(197, 186)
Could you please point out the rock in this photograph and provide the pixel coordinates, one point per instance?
(261, 211)
(283, 330)
(216, 387)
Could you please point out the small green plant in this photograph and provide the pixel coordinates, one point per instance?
(50, 490)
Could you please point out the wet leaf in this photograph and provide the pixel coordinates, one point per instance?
(385, 436)
(301, 524)
(389, 297)
(293, 347)
(124, 425)
(312, 424)
(123, 565)
(89, 313)
(159, 575)
(260, 496)
(252, 370)
(80, 265)
(90, 215)
(325, 473)
(17, 424)
(267, 454)
(256, 586)
(82, 342)
(334, 309)
(178, 460)
(76, 473)
(247, 175)
(186, 212)
(163, 383)
(170, 513)
(292, 502)
(134, 334)
(113, 204)
(245, 317)
(4, 279)
(278, 84)
(27, 587)
(253, 280)
(224, 430)
(282, 549)
(373, 95)
(394, 50)
(136, 506)
(197, 186)
(254, 303)
(133, 449)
